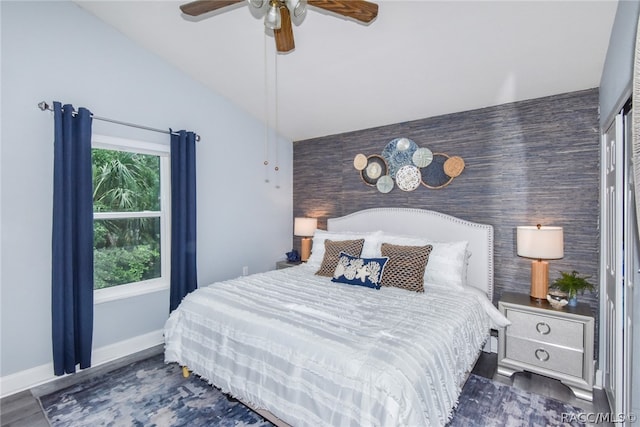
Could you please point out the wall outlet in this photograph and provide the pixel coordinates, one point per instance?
(245, 270)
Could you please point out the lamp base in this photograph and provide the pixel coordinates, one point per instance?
(305, 249)
(539, 280)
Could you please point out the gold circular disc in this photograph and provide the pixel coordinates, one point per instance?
(360, 162)
(454, 166)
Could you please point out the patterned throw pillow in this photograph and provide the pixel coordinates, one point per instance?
(406, 266)
(370, 249)
(332, 253)
(359, 271)
(448, 261)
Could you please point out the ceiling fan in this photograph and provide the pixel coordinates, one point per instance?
(278, 14)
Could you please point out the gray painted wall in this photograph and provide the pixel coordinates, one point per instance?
(528, 162)
(617, 75)
(54, 50)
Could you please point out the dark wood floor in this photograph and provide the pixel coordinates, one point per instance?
(23, 409)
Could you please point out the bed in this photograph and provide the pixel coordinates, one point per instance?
(304, 350)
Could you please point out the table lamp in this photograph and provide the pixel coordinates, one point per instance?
(305, 227)
(540, 243)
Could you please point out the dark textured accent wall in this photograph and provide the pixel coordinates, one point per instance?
(530, 162)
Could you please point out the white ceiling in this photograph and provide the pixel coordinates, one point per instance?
(417, 59)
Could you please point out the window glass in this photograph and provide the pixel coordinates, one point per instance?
(125, 182)
(126, 251)
(130, 216)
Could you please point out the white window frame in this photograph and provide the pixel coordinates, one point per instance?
(161, 283)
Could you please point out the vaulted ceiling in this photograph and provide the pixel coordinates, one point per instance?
(417, 59)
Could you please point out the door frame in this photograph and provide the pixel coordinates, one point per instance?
(619, 248)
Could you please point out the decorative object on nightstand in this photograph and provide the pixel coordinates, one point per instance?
(305, 227)
(556, 343)
(557, 299)
(293, 256)
(540, 243)
(571, 284)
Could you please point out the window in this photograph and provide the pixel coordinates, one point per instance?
(130, 217)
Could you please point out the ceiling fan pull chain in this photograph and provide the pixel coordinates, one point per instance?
(266, 115)
(277, 124)
(276, 134)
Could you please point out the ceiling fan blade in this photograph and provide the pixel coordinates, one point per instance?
(200, 7)
(364, 11)
(284, 36)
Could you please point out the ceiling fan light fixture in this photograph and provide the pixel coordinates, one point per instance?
(257, 4)
(273, 19)
(280, 15)
(258, 8)
(297, 7)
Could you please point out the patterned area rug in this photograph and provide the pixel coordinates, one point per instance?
(147, 393)
(151, 393)
(484, 402)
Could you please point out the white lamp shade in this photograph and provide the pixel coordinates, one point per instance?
(305, 226)
(540, 242)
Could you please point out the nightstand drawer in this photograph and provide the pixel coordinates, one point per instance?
(564, 360)
(546, 329)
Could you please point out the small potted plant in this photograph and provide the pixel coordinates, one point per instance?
(572, 283)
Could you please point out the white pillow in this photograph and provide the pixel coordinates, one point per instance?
(447, 262)
(370, 249)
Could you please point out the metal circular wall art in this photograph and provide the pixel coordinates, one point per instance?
(360, 162)
(422, 157)
(374, 169)
(385, 184)
(405, 165)
(453, 166)
(408, 178)
(398, 153)
(434, 176)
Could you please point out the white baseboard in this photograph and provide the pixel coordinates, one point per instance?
(29, 378)
(491, 346)
(598, 378)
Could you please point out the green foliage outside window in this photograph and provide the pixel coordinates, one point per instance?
(125, 250)
(125, 182)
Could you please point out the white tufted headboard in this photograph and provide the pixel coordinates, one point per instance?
(432, 225)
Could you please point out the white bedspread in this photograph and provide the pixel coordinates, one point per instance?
(318, 353)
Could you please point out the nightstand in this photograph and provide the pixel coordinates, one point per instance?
(556, 343)
(286, 264)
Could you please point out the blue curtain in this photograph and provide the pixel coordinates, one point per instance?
(183, 216)
(72, 240)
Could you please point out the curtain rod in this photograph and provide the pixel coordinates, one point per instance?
(46, 107)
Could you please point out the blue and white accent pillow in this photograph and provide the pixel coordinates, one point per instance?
(359, 271)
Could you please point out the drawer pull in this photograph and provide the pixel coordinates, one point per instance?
(543, 328)
(542, 355)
